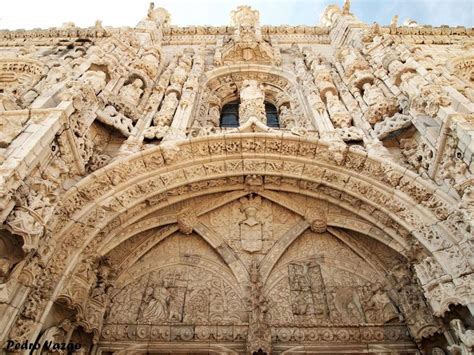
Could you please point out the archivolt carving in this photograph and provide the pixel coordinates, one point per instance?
(463, 67)
(292, 168)
(19, 75)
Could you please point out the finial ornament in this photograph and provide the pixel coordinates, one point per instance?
(150, 10)
(346, 7)
(394, 21)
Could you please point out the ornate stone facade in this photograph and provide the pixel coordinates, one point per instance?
(134, 221)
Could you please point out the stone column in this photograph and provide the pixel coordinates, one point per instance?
(315, 97)
(178, 128)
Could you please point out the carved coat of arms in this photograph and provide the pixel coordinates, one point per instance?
(251, 227)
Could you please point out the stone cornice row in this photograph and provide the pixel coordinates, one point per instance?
(177, 32)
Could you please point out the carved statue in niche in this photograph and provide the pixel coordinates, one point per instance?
(55, 334)
(132, 92)
(409, 297)
(96, 79)
(213, 116)
(320, 69)
(379, 105)
(164, 117)
(252, 102)
(56, 172)
(309, 57)
(307, 289)
(176, 307)
(299, 64)
(259, 333)
(287, 118)
(103, 284)
(191, 86)
(352, 60)
(36, 201)
(251, 232)
(180, 73)
(340, 117)
(209, 111)
(465, 336)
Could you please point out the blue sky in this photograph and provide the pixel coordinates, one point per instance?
(49, 13)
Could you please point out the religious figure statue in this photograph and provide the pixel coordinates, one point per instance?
(96, 79)
(287, 118)
(259, 335)
(155, 306)
(213, 116)
(133, 91)
(164, 117)
(159, 15)
(252, 101)
(340, 117)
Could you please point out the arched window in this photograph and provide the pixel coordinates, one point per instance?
(272, 115)
(230, 115)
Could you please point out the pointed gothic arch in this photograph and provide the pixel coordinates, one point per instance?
(377, 191)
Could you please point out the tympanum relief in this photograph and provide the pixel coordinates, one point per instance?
(181, 294)
(321, 284)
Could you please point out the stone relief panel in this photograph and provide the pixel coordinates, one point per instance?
(251, 225)
(179, 247)
(320, 282)
(307, 289)
(181, 281)
(177, 294)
